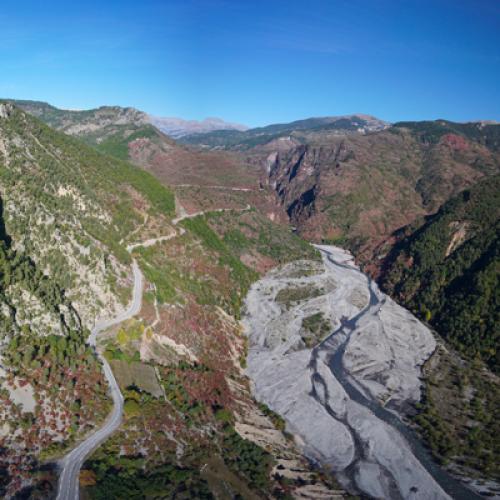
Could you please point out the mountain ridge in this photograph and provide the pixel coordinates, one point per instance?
(77, 213)
(229, 139)
(174, 127)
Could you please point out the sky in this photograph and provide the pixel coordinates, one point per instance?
(257, 62)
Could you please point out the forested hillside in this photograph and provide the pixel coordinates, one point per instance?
(447, 270)
(487, 134)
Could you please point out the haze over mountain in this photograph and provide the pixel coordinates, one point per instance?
(177, 127)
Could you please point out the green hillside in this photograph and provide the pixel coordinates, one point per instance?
(82, 198)
(447, 270)
(66, 212)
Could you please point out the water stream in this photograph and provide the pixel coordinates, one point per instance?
(449, 484)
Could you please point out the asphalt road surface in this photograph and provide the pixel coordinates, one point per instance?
(71, 464)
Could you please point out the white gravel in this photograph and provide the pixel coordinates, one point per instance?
(382, 357)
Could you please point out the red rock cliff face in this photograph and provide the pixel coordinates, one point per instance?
(299, 176)
(358, 189)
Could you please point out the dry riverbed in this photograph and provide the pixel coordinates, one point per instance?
(329, 386)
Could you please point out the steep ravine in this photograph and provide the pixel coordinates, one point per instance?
(341, 398)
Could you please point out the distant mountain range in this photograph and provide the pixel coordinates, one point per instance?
(350, 179)
(177, 127)
(228, 139)
(211, 132)
(130, 134)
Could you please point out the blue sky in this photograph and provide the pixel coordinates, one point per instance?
(257, 62)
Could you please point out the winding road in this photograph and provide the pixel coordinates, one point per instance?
(70, 465)
(68, 487)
